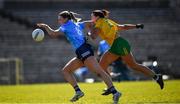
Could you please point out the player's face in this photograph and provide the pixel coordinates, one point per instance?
(93, 18)
(61, 20)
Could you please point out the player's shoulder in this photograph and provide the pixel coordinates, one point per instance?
(113, 22)
(99, 21)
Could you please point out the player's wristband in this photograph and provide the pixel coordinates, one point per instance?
(139, 26)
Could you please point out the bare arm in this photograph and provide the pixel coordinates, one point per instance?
(96, 31)
(88, 24)
(130, 26)
(51, 32)
(93, 32)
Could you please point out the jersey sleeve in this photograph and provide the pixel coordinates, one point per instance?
(61, 29)
(114, 23)
(82, 25)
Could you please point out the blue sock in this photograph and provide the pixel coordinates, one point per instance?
(76, 88)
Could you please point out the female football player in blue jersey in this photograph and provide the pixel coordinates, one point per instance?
(73, 30)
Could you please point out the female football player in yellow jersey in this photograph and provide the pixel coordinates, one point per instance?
(108, 30)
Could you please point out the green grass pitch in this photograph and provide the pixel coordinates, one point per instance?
(140, 92)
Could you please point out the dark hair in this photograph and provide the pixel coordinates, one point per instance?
(98, 13)
(105, 12)
(69, 15)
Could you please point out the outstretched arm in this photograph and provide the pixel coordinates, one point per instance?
(51, 32)
(88, 24)
(130, 26)
(96, 31)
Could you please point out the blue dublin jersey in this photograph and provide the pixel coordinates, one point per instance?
(74, 32)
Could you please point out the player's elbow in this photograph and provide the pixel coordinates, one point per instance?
(54, 35)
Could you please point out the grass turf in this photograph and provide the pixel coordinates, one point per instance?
(141, 92)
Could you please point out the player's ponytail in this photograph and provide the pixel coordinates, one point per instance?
(69, 15)
(72, 15)
(105, 12)
(98, 13)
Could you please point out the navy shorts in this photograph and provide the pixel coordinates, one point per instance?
(84, 51)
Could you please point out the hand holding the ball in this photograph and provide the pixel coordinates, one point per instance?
(53, 33)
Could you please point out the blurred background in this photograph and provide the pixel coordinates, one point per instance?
(23, 60)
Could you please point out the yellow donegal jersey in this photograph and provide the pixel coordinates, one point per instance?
(108, 29)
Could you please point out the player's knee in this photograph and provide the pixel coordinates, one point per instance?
(132, 65)
(65, 71)
(103, 62)
(104, 65)
(100, 62)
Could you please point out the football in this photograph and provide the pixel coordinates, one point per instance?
(38, 35)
